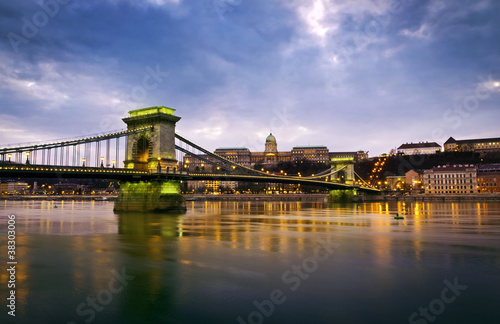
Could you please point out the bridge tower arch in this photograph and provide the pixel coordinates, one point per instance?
(347, 172)
(145, 150)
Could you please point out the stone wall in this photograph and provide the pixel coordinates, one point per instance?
(161, 196)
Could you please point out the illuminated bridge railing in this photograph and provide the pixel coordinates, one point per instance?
(90, 150)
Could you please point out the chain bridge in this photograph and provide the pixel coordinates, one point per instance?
(151, 151)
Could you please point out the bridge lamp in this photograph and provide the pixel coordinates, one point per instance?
(9, 156)
(113, 163)
(27, 157)
(158, 167)
(102, 161)
(83, 162)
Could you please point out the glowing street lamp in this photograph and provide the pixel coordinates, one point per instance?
(114, 164)
(9, 156)
(158, 167)
(83, 162)
(27, 157)
(102, 161)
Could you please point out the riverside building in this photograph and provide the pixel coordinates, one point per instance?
(455, 179)
(472, 145)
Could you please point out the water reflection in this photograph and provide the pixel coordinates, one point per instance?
(211, 263)
(142, 223)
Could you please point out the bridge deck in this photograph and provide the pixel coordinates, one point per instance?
(42, 171)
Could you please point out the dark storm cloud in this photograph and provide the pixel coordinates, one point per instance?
(234, 69)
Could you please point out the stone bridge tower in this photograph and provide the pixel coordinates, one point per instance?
(347, 174)
(145, 150)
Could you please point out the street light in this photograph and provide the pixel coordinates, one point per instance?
(83, 162)
(114, 164)
(27, 157)
(9, 156)
(158, 167)
(102, 161)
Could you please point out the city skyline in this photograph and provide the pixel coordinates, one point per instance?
(369, 76)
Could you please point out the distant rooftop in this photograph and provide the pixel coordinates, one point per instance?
(232, 148)
(455, 167)
(477, 140)
(308, 147)
(489, 167)
(418, 145)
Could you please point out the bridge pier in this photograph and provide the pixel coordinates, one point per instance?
(343, 196)
(156, 195)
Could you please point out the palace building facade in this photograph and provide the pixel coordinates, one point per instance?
(419, 148)
(270, 156)
(472, 145)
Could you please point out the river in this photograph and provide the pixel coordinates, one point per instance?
(253, 262)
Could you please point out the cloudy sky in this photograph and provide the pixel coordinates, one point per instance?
(358, 74)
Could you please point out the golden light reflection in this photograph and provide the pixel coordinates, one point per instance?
(288, 228)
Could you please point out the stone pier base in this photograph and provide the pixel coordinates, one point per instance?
(158, 196)
(343, 196)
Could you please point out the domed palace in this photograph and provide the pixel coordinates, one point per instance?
(271, 150)
(270, 156)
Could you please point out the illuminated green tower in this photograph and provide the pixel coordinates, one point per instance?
(145, 149)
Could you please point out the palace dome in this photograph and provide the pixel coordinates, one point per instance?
(271, 138)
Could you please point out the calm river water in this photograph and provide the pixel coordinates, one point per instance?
(254, 262)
